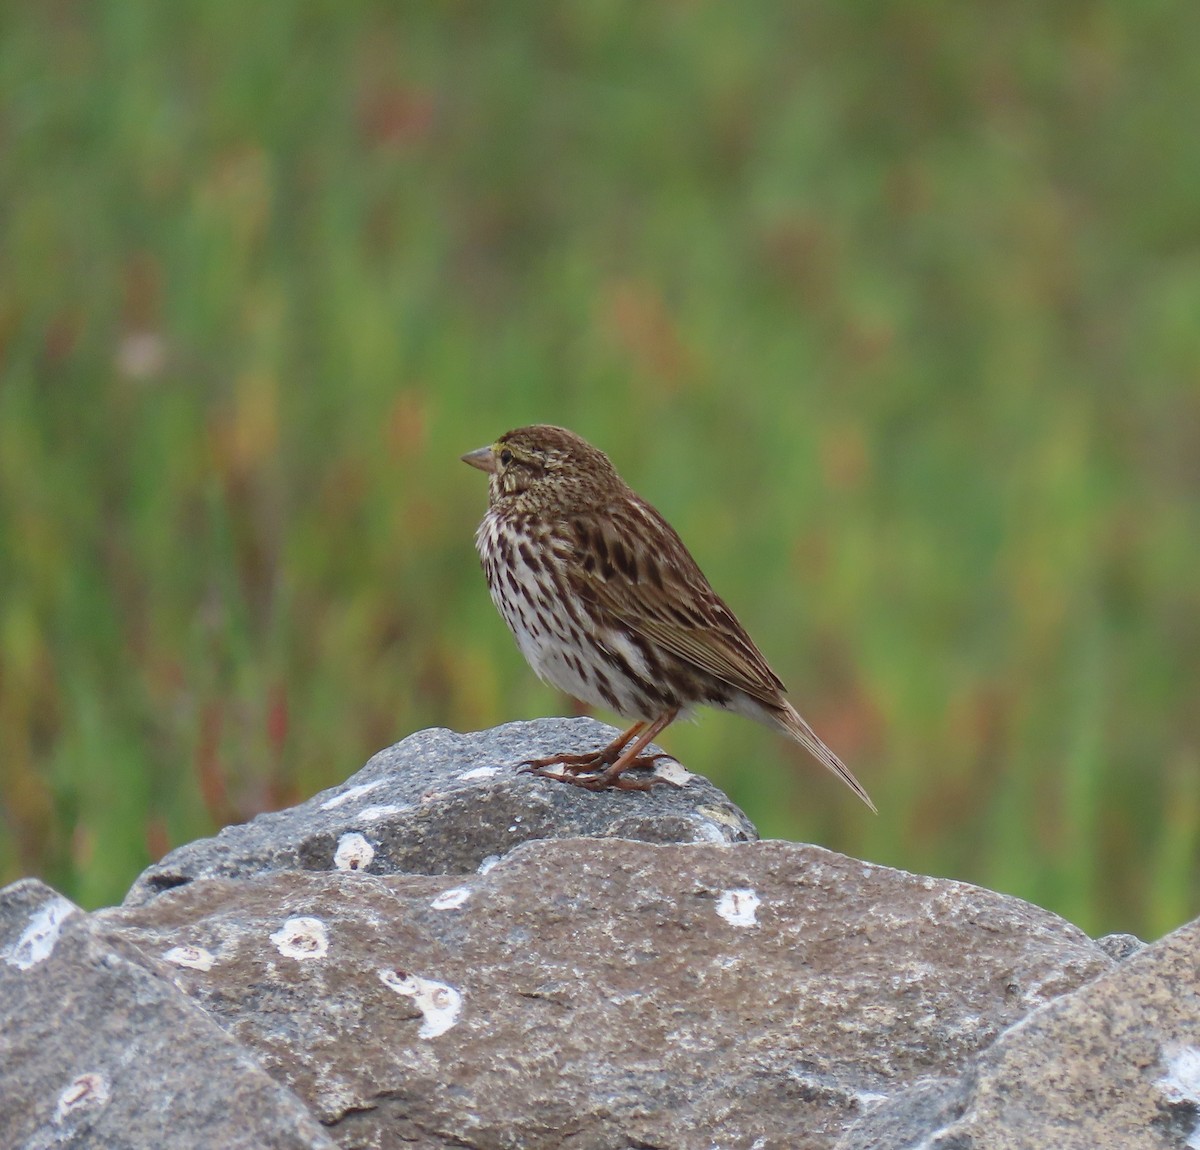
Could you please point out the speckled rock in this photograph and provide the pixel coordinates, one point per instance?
(608, 994)
(1120, 946)
(442, 803)
(443, 952)
(100, 1049)
(1114, 1066)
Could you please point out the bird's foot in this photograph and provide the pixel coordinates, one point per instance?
(606, 767)
(573, 764)
(595, 772)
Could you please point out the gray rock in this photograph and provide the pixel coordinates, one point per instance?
(98, 1049)
(1120, 946)
(607, 994)
(443, 952)
(443, 803)
(1114, 1066)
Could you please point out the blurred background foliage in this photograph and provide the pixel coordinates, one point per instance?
(893, 309)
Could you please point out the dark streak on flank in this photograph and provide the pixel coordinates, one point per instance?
(626, 560)
(606, 691)
(647, 689)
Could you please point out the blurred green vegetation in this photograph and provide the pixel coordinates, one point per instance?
(892, 309)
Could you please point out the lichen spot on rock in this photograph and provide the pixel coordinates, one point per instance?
(38, 939)
(353, 852)
(383, 811)
(439, 1003)
(350, 794)
(673, 772)
(1181, 1084)
(739, 907)
(302, 938)
(711, 833)
(479, 773)
(451, 899)
(720, 815)
(87, 1092)
(193, 957)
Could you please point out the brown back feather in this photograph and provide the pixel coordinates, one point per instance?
(645, 577)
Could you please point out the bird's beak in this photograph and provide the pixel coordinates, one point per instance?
(483, 458)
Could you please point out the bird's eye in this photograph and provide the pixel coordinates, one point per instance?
(506, 457)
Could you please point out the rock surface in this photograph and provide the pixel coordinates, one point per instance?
(443, 952)
(1114, 1066)
(99, 1049)
(442, 803)
(623, 993)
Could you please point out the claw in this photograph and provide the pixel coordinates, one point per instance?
(595, 778)
(621, 782)
(606, 767)
(571, 764)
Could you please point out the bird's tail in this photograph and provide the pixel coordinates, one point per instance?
(790, 721)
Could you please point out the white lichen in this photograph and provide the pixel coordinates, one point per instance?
(479, 773)
(39, 937)
(673, 772)
(193, 957)
(350, 794)
(302, 938)
(739, 907)
(87, 1092)
(353, 852)
(1181, 1083)
(451, 899)
(439, 1003)
(383, 811)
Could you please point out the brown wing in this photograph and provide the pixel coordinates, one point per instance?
(631, 563)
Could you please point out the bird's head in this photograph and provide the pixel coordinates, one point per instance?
(542, 466)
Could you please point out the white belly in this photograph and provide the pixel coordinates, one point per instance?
(563, 645)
